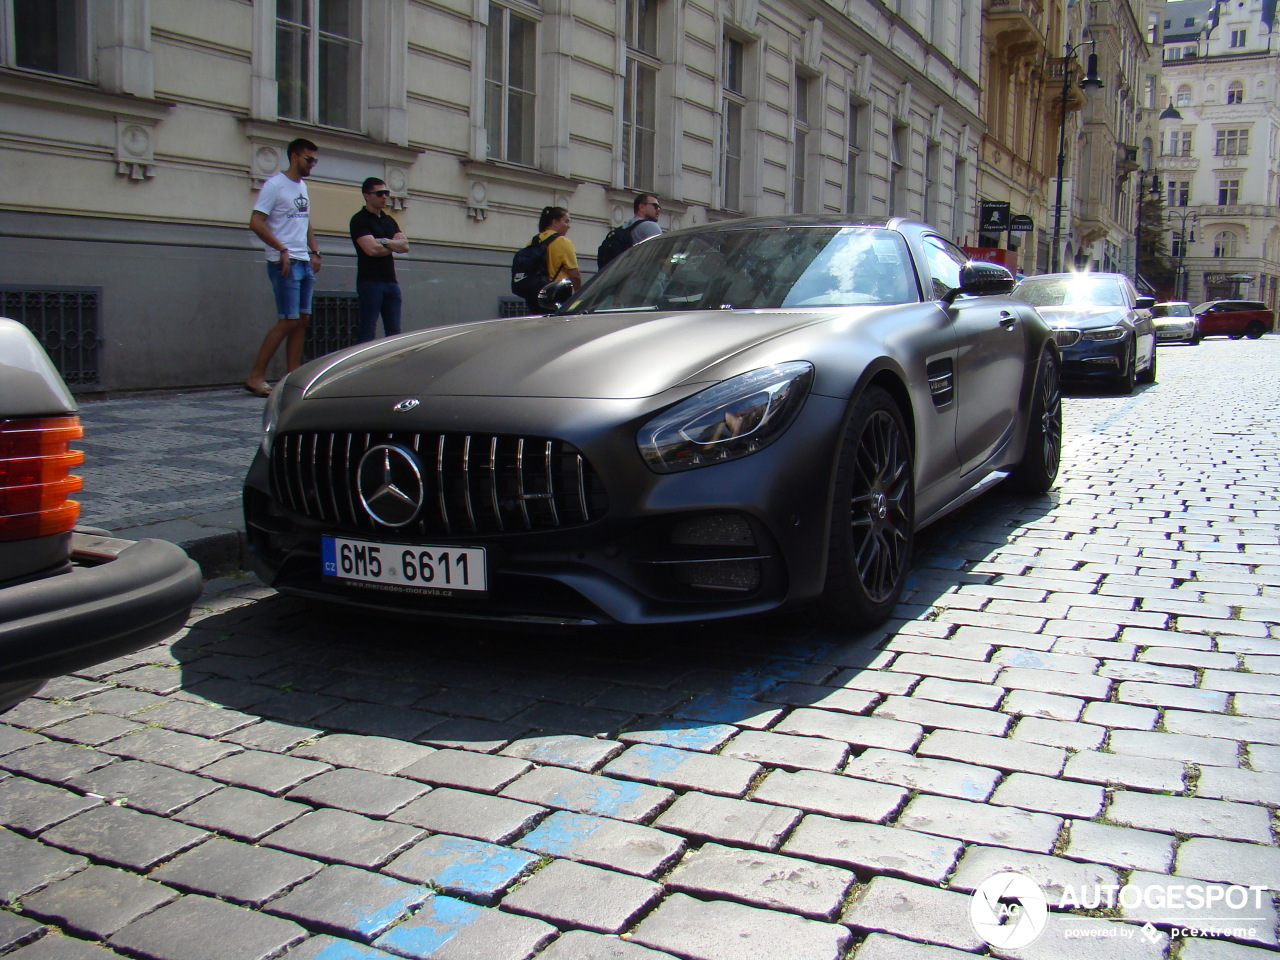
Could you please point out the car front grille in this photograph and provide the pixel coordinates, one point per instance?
(470, 483)
(1065, 338)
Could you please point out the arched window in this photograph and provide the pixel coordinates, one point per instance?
(1235, 92)
(1225, 244)
(1183, 97)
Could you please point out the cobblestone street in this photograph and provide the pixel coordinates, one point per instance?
(1083, 688)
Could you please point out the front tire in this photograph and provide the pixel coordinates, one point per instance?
(1149, 375)
(1126, 380)
(872, 516)
(1038, 469)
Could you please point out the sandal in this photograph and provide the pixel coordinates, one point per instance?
(262, 390)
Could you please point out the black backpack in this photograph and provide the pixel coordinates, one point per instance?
(615, 242)
(529, 268)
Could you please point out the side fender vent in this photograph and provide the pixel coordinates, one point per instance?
(942, 381)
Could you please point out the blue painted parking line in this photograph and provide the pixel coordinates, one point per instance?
(439, 921)
(600, 795)
(461, 866)
(561, 833)
(686, 736)
(346, 950)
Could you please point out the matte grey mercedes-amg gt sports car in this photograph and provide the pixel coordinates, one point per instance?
(728, 419)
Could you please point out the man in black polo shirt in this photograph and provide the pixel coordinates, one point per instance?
(377, 236)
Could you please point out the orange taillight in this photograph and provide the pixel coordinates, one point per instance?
(35, 476)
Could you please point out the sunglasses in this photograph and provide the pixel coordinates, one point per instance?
(311, 161)
(380, 193)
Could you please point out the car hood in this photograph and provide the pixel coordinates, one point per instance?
(593, 356)
(1083, 317)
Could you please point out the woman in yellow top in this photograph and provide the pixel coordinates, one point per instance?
(562, 258)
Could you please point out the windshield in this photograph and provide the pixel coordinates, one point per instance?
(763, 268)
(1078, 291)
(1171, 310)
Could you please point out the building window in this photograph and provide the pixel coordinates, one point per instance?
(959, 196)
(735, 104)
(932, 164)
(853, 155)
(1183, 97)
(1225, 244)
(50, 36)
(800, 143)
(1232, 143)
(1228, 192)
(510, 62)
(1237, 38)
(897, 171)
(1149, 92)
(640, 103)
(1178, 193)
(1179, 144)
(318, 67)
(1235, 92)
(1179, 245)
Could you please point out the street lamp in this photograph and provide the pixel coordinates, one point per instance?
(1091, 82)
(1137, 229)
(1180, 279)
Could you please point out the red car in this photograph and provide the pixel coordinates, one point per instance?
(1234, 319)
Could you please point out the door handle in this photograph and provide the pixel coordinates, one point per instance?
(1008, 320)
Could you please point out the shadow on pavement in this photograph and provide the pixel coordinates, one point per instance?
(323, 669)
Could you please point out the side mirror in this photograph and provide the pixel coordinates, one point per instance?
(555, 294)
(1145, 303)
(980, 278)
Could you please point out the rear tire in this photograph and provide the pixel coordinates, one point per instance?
(1038, 469)
(872, 516)
(1255, 330)
(1149, 375)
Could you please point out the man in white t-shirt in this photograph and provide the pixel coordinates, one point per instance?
(282, 221)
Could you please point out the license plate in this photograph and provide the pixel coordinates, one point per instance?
(407, 568)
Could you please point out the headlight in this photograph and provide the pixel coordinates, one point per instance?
(271, 414)
(1105, 334)
(731, 420)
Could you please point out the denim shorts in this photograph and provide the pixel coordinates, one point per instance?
(293, 293)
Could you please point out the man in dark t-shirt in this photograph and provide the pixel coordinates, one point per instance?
(377, 236)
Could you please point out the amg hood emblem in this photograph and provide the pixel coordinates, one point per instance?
(390, 485)
(404, 405)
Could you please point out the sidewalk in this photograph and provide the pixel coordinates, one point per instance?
(170, 465)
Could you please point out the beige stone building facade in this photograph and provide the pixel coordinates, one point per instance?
(1219, 150)
(1036, 124)
(134, 134)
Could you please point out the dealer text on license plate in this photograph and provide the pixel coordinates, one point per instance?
(400, 566)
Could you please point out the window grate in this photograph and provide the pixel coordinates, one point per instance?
(512, 307)
(68, 323)
(335, 323)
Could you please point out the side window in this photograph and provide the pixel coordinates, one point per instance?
(944, 261)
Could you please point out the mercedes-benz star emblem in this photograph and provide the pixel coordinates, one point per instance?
(390, 485)
(405, 405)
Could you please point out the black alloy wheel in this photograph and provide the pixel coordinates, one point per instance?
(1255, 330)
(872, 516)
(1038, 469)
